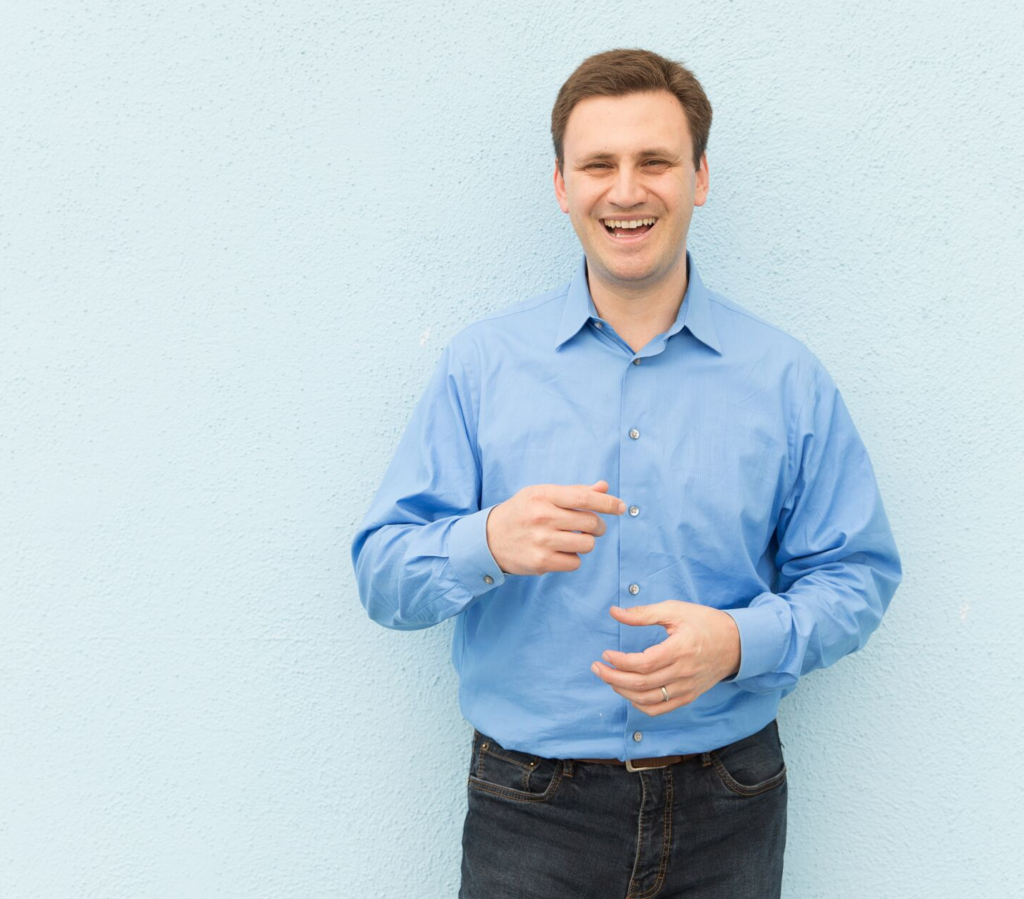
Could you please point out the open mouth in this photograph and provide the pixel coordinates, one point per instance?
(628, 231)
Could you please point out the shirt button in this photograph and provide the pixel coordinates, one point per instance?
(634, 433)
(637, 736)
(636, 361)
(634, 589)
(598, 324)
(488, 579)
(634, 511)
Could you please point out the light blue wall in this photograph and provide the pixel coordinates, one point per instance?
(234, 238)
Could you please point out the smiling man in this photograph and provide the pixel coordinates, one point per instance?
(631, 202)
(649, 513)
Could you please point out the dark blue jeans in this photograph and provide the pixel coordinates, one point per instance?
(711, 827)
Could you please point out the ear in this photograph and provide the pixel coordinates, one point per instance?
(560, 191)
(700, 192)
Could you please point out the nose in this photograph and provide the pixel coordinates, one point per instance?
(626, 191)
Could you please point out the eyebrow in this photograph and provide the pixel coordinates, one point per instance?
(653, 151)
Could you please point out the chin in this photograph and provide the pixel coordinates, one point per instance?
(631, 269)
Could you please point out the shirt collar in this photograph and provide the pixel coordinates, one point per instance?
(694, 310)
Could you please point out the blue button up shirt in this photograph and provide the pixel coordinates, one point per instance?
(748, 488)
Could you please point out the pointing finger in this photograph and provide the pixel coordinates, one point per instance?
(580, 496)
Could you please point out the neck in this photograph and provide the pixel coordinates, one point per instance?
(639, 311)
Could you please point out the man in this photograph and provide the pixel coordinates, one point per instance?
(650, 514)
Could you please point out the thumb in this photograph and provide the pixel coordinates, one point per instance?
(655, 613)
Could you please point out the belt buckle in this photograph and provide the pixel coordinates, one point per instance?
(629, 766)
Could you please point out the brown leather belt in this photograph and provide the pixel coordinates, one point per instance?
(643, 764)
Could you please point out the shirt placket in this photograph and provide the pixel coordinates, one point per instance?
(637, 430)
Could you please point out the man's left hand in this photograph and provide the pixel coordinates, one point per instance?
(703, 646)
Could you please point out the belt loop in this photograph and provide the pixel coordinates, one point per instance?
(567, 768)
(705, 759)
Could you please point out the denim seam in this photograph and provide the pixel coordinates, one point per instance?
(509, 758)
(480, 760)
(666, 836)
(527, 766)
(639, 838)
(516, 795)
(742, 789)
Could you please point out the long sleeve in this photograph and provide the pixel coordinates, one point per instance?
(420, 554)
(837, 562)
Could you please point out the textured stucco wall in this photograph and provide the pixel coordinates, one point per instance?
(234, 238)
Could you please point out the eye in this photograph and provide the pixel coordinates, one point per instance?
(597, 165)
(655, 162)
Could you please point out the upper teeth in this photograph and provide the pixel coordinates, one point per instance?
(636, 223)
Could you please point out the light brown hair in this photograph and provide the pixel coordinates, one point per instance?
(618, 72)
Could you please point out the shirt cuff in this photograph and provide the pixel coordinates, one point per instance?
(470, 556)
(762, 637)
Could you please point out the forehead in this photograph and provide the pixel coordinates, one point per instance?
(626, 125)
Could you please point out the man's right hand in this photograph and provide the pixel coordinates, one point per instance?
(533, 532)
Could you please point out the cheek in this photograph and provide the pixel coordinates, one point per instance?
(582, 221)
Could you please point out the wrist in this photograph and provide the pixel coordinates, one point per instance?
(730, 645)
(489, 537)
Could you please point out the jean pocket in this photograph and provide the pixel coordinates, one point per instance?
(512, 774)
(752, 765)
